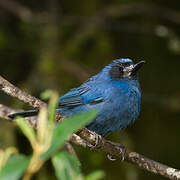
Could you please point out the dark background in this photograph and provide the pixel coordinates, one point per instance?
(51, 44)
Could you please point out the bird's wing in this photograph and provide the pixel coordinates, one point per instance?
(79, 96)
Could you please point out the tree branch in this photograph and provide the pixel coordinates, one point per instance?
(116, 150)
(5, 111)
(13, 91)
(102, 145)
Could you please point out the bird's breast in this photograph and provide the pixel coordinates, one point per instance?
(125, 104)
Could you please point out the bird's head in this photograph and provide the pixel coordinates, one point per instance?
(124, 68)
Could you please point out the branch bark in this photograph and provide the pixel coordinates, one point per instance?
(86, 136)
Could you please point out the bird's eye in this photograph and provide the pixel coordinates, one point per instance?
(116, 71)
(127, 64)
(120, 68)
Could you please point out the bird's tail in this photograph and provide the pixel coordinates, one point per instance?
(24, 114)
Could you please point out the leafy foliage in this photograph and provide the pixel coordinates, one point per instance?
(46, 142)
(14, 168)
(67, 168)
(65, 129)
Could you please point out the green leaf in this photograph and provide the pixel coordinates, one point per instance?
(52, 96)
(66, 166)
(52, 106)
(27, 130)
(4, 155)
(46, 94)
(42, 126)
(14, 168)
(65, 129)
(95, 175)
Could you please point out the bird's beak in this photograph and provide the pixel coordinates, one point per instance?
(136, 67)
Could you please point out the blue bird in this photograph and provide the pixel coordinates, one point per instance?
(114, 92)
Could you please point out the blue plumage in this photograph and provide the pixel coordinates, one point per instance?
(114, 92)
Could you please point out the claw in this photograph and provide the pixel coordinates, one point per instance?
(111, 158)
(122, 154)
(97, 139)
(121, 149)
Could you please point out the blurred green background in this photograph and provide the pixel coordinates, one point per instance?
(51, 44)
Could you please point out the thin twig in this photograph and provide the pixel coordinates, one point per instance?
(102, 145)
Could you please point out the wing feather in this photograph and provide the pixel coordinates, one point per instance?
(79, 96)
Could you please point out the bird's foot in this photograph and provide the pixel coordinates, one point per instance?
(111, 158)
(122, 150)
(122, 153)
(97, 139)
